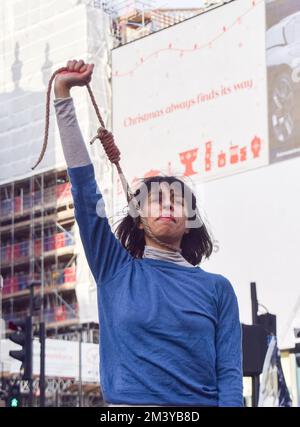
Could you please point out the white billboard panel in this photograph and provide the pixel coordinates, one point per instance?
(192, 99)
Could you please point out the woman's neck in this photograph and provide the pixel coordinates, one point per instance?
(165, 255)
(152, 244)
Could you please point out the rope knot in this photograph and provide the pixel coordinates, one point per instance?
(108, 142)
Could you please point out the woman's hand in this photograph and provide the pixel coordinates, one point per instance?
(77, 74)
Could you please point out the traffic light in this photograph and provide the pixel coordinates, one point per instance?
(14, 397)
(297, 347)
(297, 332)
(23, 337)
(268, 322)
(297, 354)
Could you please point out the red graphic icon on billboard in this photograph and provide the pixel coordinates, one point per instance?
(187, 158)
(256, 146)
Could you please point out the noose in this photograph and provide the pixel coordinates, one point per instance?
(113, 153)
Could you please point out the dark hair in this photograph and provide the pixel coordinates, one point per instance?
(194, 245)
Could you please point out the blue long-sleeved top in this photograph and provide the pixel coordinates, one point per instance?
(169, 334)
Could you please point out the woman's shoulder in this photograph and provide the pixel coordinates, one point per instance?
(221, 283)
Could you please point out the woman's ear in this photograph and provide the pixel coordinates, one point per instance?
(186, 231)
(139, 224)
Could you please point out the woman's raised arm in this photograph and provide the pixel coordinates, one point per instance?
(104, 253)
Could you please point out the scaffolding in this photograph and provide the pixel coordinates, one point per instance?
(38, 245)
(133, 19)
(140, 23)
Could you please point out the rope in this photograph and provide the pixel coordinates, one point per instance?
(113, 153)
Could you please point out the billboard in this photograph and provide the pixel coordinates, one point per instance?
(201, 111)
(37, 38)
(283, 65)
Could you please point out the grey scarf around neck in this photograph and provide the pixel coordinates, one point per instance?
(164, 255)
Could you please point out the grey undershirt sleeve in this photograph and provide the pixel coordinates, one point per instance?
(74, 148)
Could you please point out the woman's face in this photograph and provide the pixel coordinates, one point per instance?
(165, 212)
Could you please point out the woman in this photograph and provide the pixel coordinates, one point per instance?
(169, 331)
